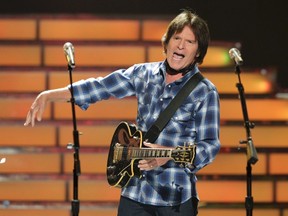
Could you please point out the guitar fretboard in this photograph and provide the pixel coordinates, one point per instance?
(128, 153)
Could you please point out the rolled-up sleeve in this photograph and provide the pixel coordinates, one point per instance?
(118, 84)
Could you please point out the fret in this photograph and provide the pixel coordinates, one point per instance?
(169, 153)
(157, 153)
(149, 153)
(134, 153)
(144, 151)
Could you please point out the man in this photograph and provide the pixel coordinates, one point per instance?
(165, 188)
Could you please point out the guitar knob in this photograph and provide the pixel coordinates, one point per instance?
(111, 169)
(111, 177)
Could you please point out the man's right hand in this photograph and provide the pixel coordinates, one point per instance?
(37, 108)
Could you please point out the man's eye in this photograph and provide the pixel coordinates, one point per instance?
(192, 41)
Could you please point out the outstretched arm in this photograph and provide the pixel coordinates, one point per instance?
(38, 106)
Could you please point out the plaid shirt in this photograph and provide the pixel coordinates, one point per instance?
(195, 121)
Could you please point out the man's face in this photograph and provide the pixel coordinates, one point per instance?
(182, 49)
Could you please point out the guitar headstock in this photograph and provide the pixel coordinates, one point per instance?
(184, 154)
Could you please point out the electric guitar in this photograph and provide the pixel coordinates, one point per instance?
(126, 150)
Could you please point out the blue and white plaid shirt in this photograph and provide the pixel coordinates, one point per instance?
(195, 121)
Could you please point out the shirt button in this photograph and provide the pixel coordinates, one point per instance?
(161, 99)
(154, 116)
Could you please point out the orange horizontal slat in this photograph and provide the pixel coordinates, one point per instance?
(254, 83)
(258, 109)
(29, 163)
(156, 53)
(237, 212)
(57, 210)
(61, 79)
(108, 110)
(262, 191)
(109, 55)
(153, 30)
(33, 190)
(20, 55)
(17, 29)
(35, 211)
(212, 191)
(217, 56)
(234, 164)
(91, 190)
(263, 136)
(92, 136)
(17, 108)
(99, 212)
(91, 163)
(22, 81)
(112, 211)
(18, 135)
(278, 163)
(89, 29)
(281, 190)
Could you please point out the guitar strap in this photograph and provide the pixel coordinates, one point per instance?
(152, 134)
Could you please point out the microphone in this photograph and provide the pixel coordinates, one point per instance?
(236, 56)
(69, 53)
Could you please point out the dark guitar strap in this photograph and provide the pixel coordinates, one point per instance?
(152, 134)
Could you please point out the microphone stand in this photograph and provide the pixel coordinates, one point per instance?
(251, 151)
(75, 204)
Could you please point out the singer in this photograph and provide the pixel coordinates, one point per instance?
(165, 188)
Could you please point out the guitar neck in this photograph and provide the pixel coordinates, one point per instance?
(128, 153)
(179, 155)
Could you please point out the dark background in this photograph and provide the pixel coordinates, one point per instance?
(260, 25)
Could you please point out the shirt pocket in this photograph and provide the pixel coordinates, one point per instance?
(145, 101)
(182, 120)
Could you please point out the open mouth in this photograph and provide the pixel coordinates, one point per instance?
(178, 56)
